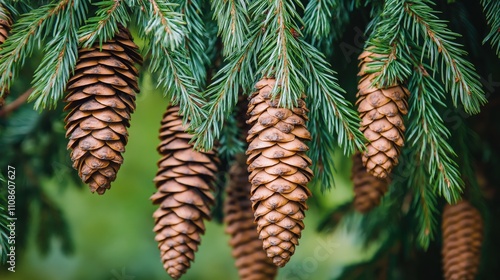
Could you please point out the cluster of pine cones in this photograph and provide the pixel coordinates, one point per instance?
(266, 195)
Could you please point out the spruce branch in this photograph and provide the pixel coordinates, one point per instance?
(388, 39)
(280, 57)
(61, 54)
(232, 19)
(165, 26)
(428, 136)
(195, 40)
(457, 74)
(327, 103)
(492, 11)
(222, 93)
(104, 25)
(25, 35)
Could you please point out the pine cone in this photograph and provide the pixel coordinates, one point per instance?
(462, 237)
(279, 170)
(381, 111)
(184, 181)
(101, 99)
(5, 25)
(368, 189)
(251, 260)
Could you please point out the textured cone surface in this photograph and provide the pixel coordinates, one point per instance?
(279, 171)
(381, 111)
(251, 260)
(368, 189)
(5, 25)
(184, 185)
(101, 99)
(462, 227)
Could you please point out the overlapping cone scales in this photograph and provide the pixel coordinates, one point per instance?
(5, 25)
(101, 99)
(462, 227)
(251, 260)
(279, 171)
(184, 193)
(368, 189)
(381, 111)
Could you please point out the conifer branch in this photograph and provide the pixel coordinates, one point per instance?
(492, 10)
(104, 25)
(222, 93)
(232, 19)
(165, 25)
(195, 44)
(61, 51)
(428, 136)
(457, 74)
(280, 57)
(26, 34)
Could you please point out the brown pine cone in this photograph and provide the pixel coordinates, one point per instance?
(462, 227)
(101, 99)
(368, 189)
(279, 170)
(5, 25)
(185, 182)
(381, 111)
(251, 260)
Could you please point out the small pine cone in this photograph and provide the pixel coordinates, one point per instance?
(251, 260)
(381, 111)
(279, 170)
(368, 189)
(184, 180)
(462, 227)
(101, 99)
(5, 25)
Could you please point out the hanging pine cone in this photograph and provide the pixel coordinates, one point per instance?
(462, 237)
(279, 170)
(251, 260)
(5, 25)
(101, 99)
(381, 111)
(368, 189)
(184, 181)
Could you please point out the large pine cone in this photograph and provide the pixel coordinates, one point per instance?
(185, 182)
(5, 25)
(462, 237)
(251, 260)
(279, 170)
(101, 99)
(368, 189)
(381, 111)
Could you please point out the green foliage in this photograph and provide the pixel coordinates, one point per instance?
(232, 19)
(492, 11)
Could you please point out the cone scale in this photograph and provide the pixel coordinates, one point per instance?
(101, 98)
(279, 171)
(381, 111)
(368, 189)
(184, 183)
(462, 228)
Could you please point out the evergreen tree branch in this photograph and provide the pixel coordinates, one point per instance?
(428, 136)
(388, 39)
(492, 10)
(457, 74)
(222, 93)
(195, 40)
(104, 25)
(59, 61)
(281, 57)
(165, 25)
(232, 18)
(18, 102)
(25, 35)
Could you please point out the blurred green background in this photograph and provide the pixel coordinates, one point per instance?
(113, 235)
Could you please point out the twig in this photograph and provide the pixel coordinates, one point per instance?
(16, 103)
